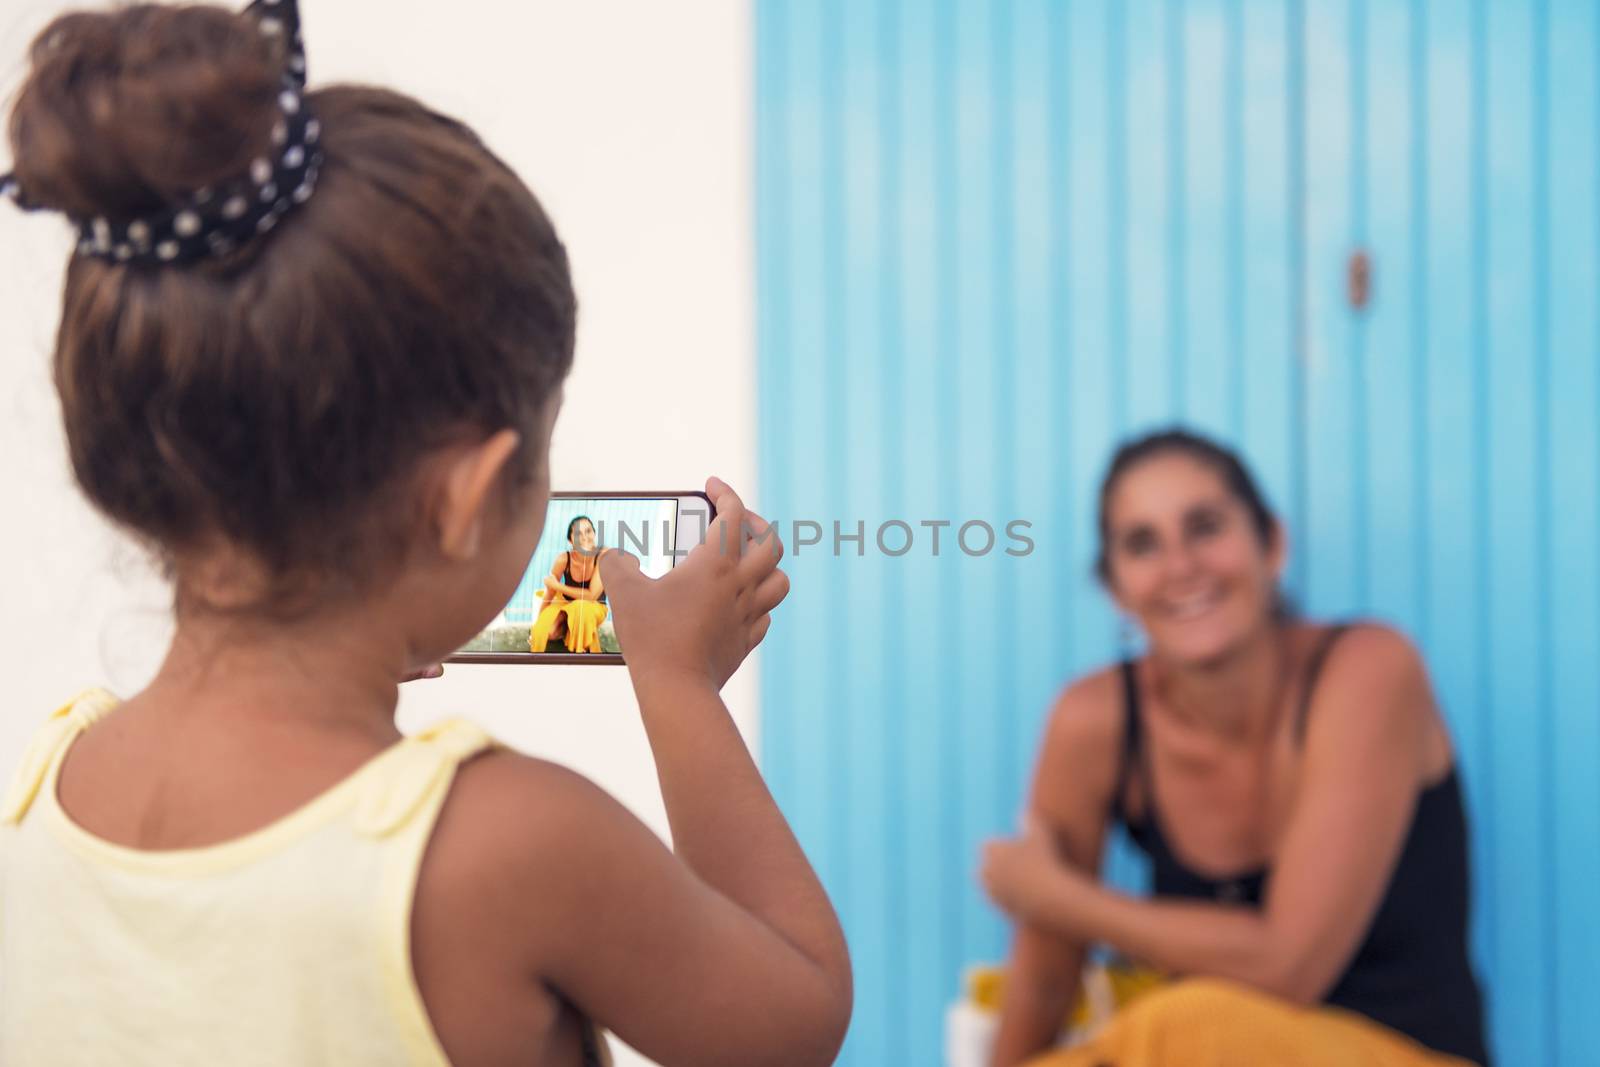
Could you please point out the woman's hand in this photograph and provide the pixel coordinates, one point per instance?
(1025, 876)
(434, 670)
(702, 619)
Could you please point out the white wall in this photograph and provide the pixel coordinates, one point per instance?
(630, 119)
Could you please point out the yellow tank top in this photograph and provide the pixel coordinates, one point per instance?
(289, 945)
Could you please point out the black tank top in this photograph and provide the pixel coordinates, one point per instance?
(566, 579)
(1411, 973)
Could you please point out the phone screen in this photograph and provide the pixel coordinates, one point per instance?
(560, 611)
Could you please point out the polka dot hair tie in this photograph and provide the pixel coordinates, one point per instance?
(216, 220)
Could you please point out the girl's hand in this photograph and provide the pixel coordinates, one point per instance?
(1025, 875)
(702, 619)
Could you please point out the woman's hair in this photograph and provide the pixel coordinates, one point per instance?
(279, 398)
(1226, 463)
(573, 525)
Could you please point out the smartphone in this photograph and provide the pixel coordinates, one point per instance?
(560, 613)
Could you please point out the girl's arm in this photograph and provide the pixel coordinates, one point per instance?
(727, 953)
(1363, 760)
(1072, 784)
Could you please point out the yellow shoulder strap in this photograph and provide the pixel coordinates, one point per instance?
(49, 742)
(424, 763)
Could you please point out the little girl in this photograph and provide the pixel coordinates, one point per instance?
(311, 353)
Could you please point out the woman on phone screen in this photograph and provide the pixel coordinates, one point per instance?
(574, 604)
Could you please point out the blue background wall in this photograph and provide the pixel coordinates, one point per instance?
(996, 237)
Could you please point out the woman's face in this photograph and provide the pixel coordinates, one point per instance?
(1186, 561)
(583, 537)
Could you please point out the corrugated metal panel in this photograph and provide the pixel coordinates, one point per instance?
(994, 238)
(1567, 217)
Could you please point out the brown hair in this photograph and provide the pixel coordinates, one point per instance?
(1226, 463)
(281, 398)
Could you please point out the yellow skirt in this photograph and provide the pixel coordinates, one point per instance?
(1208, 1022)
(583, 625)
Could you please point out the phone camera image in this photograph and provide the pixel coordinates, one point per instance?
(559, 612)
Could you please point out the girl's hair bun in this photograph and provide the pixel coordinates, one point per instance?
(130, 109)
(279, 400)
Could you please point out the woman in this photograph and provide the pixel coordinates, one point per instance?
(1292, 783)
(574, 602)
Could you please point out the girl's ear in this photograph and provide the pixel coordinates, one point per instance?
(461, 504)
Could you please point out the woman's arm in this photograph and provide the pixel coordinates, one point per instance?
(1359, 780)
(1072, 786)
(552, 581)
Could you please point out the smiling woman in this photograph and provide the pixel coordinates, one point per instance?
(574, 602)
(1292, 783)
